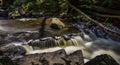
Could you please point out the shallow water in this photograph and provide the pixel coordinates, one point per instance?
(12, 26)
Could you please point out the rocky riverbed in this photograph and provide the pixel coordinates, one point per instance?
(20, 43)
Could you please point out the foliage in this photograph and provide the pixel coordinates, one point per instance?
(109, 24)
(43, 7)
(61, 7)
(108, 3)
(13, 7)
(54, 7)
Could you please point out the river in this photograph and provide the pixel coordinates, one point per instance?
(21, 31)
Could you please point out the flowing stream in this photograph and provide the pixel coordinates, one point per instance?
(24, 33)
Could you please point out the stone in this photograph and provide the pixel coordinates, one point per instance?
(1, 2)
(12, 51)
(3, 13)
(49, 22)
(53, 58)
(102, 60)
(76, 58)
(66, 37)
(1, 40)
(56, 23)
(7, 61)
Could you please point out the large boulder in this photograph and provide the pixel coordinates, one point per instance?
(54, 23)
(1, 2)
(102, 60)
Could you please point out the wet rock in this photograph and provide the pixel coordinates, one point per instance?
(66, 37)
(57, 37)
(14, 14)
(3, 13)
(20, 36)
(27, 35)
(7, 61)
(2, 37)
(10, 38)
(55, 26)
(75, 58)
(53, 58)
(43, 43)
(6, 47)
(12, 51)
(1, 40)
(56, 23)
(102, 60)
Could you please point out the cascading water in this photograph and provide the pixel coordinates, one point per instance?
(28, 48)
(48, 43)
(43, 45)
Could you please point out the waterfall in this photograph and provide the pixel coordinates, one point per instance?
(69, 42)
(37, 46)
(61, 42)
(75, 43)
(80, 41)
(28, 49)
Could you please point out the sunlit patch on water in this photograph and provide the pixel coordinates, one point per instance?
(26, 19)
(17, 43)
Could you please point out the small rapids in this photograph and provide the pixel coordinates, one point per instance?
(26, 37)
(52, 45)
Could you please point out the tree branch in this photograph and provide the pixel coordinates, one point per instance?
(96, 22)
(102, 9)
(104, 15)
